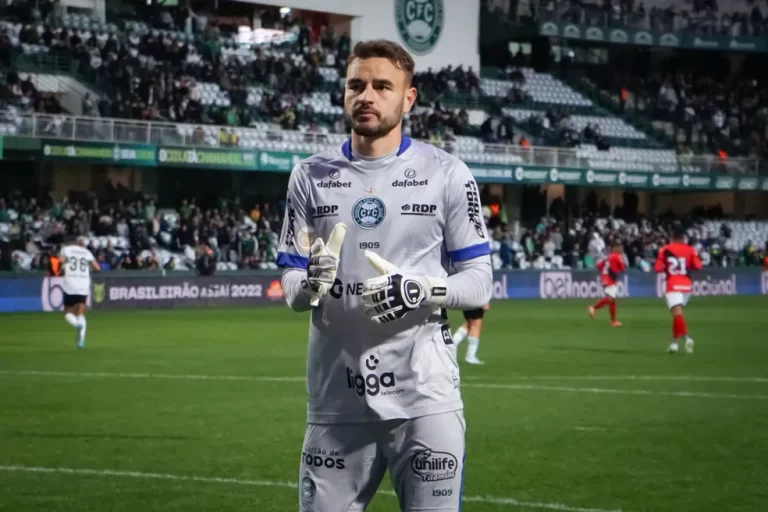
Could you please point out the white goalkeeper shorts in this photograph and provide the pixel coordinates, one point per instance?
(677, 299)
(342, 465)
(611, 291)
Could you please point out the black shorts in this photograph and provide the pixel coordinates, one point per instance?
(74, 300)
(474, 314)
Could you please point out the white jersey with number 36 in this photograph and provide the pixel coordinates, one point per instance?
(418, 208)
(76, 262)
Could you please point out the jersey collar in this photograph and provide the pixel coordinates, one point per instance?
(346, 148)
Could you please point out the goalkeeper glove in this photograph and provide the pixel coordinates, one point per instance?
(324, 263)
(393, 295)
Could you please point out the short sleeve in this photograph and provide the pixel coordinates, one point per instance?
(466, 236)
(293, 250)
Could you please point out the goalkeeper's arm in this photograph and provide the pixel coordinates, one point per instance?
(471, 286)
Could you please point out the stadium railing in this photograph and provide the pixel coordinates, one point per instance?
(98, 129)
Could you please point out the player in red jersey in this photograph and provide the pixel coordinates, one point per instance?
(610, 268)
(676, 260)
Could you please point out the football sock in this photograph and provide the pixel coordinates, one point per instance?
(71, 319)
(472, 344)
(459, 335)
(679, 328)
(81, 322)
(602, 302)
(612, 309)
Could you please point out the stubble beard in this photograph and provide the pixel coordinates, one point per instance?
(382, 129)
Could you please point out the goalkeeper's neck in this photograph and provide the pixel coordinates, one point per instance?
(374, 147)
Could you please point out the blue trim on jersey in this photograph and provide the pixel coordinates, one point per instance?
(405, 143)
(461, 483)
(473, 251)
(285, 259)
(346, 148)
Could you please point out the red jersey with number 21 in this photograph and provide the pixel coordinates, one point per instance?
(676, 260)
(610, 268)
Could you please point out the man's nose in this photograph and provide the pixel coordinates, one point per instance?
(366, 96)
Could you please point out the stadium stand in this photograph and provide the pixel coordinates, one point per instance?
(698, 103)
(285, 97)
(137, 234)
(290, 85)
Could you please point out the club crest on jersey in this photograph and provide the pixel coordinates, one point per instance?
(369, 212)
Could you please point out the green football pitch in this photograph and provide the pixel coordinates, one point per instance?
(203, 410)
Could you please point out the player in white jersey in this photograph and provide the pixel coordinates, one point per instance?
(471, 329)
(76, 263)
(369, 231)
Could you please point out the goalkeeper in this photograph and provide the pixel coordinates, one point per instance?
(369, 230)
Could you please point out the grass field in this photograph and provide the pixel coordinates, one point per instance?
(203, 410)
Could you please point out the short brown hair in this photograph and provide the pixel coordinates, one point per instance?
(383, 48)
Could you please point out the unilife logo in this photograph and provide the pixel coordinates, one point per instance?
(372, 383)
(434, 466)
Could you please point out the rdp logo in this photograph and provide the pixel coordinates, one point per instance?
(325, 210)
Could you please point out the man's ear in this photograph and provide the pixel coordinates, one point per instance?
(409, 99)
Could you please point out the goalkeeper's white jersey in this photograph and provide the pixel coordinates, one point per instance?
(419, 209)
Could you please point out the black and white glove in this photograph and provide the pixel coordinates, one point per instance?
(393, 295)
(324, 263)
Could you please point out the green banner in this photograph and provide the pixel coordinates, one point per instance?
(229, 159)
(533, 175)
(279, 161)
(651, 38)
(100, 152)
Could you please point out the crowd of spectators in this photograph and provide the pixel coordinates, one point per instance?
(557, 127)
(580, 238)
(708, 113)
(19, 93)
(155, 76)
(711, 108)
(135, 234)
